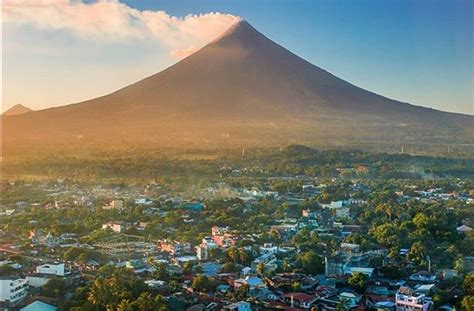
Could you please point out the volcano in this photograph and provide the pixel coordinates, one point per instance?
(16, 110)
(242, 89)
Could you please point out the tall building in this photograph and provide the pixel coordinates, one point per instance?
(407, 299)
(13, 289)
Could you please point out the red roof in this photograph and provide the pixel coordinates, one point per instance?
(281, 306)
(302, 297)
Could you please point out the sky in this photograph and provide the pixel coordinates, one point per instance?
(57, 52)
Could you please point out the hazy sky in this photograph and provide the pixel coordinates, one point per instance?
(57, 52)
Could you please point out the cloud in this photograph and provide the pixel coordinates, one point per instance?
(113, 21)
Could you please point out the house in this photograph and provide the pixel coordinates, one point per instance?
(202, 250)
(463, 229)
(407, 300)
(39, 306)
(194, 206)
(114, 204)
(143, 201)
(349, 248)
(13, 289)
(223, 237)
(180, 261)
(257, 287)
(364, 270)
(238, 306)
(284, 229)
(268, 260)
(299, 300)
(334, 265)
(155, 283)
(52, 269)
(339, 208)
(46, 272)
(423, 276)
(50, 240)
(175, 247)
(268, 248)
(117, 226)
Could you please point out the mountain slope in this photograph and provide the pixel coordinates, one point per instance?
(16, 110)
(241, 89)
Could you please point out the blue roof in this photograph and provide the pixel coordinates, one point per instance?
(39, 306)
(194, 206)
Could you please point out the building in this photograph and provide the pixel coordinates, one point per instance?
(238, 306)
(52, 269)
(334, 265)
(194, 206)
(13, 289)
(256, 286)
(202, 250)
(114, 204)
(299, 300)
(463, 229)
(350, 248)
(175, 247)
(143, 201)
(50, 240)
(39, 306)
(180, 261)
(284, 229)
(117, 226)
(423, 276)
(407, 300)
(268, 260)
(223, 237)
(340, 208)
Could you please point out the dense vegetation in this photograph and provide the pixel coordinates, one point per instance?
(147, 164)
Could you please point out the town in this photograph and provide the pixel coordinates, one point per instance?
(242, 242)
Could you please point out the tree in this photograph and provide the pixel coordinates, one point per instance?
(417, 253)
(460, 265)
(310, 262)
(124, 305)
(202, 283)
(358, 281)
(187, 267)
(146, 302)
(468, 292)
(261, 268)
(341, 305)
(229, 267)
(242, 292)
(113, 286)
(55, 287)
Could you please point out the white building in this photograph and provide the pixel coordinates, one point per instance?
(52, 269)
(340, 208)
(13, 289)
(143, 201)
(202, 250)
(407, 300)
(115, 226)
(114, 204)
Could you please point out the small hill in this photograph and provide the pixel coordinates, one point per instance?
(16, 110)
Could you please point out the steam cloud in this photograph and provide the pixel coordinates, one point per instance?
(111, 21)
